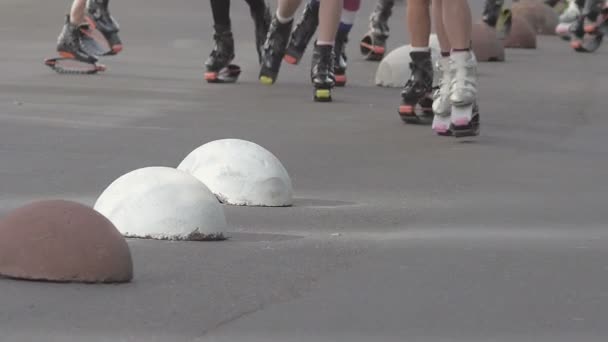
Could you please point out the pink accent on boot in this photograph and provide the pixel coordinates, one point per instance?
(441, 129)
(461, 122)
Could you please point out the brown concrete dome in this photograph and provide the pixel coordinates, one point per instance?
(486, 45)
(542, 17)
(62, 241)
(522, 35)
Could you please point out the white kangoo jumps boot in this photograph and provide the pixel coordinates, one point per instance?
(463, 94)
(442, 107)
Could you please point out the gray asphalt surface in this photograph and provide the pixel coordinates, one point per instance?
(396, 235)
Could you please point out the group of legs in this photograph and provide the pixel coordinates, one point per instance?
(305, 30)
(453, 101)
(219, 67)
(454, 107)
(275, 41)
(323, 57)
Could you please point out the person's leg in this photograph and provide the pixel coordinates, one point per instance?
(373, 44)
(329, 19)
(223, 51)
(277, 39)
(418, 88)
(441, 99)
(349, 14)
(256, 5)
(221, 13)
(458, 25)
(591, 9)
(303, 33)
(347, 19)
(322, 69)
(69, 41)
(463, 68)
(77, 12)
(440, 30)
(419, 23)
(309, 22)
(286, 9)
(569, 17)
(378, 20)
(572, 11)
(99, 13)
(260, 13)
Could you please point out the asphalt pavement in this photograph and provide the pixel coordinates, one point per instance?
(396, 234)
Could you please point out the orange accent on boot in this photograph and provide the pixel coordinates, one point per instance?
(66, 54)
(590, 28)
(406, 110)
(341, 79)
(576, 44)
(117, 48)
(290, 59)
(379, 50)
(210, 76)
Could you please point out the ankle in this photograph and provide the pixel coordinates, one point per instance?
(325, 43)
(420, 49)
(283, 20)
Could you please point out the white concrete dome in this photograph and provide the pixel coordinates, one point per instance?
(240, 172)
(162, 203)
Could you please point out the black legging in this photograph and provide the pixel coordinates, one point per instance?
(221, 11)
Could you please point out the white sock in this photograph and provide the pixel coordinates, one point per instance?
(460, 54)
(348, 17)
(283, 20)
(322, 42)
(420, 49)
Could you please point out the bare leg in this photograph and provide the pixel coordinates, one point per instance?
(69, 43)
(322, 69)
(329, 19)
(77, 12)
(286, 9)
(441, 101)
(458, 23)
(463, 67)
(444, 41)
(418, 87)
(419, 22)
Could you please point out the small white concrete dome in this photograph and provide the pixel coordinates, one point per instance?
(240, 172)
(162, 203)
